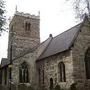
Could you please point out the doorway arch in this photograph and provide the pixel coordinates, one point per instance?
(51, 83)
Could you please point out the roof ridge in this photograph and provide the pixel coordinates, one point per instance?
(45, 48)
(79, 30)
(72, 31)
(28, 51)
(44, 41)
(75, 36)
(68, 29)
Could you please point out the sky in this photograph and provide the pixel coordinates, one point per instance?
(56, 16)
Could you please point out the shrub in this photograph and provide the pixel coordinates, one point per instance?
(73, 86)
(25, 87)
(57, 87)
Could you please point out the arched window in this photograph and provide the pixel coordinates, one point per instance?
(23, 73)
(87, 63)
(27, 26)
(62, 76)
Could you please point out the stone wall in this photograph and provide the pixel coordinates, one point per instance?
(79, 48)
(20, 38)
(30, 58)
(73, 59)
(16, 64)
(51, 70)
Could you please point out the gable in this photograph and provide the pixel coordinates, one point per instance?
(80, 46)
(62, 42)
(82, 41)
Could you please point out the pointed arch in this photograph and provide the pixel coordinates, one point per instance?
(51, 83)
(87, 63)
(62, 75)
(23, 73)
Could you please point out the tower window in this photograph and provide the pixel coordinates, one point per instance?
(27, 26)
(62, 76)
(87, 63)
(23, 73)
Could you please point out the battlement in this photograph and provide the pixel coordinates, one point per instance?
(24, 33)
(27, 15)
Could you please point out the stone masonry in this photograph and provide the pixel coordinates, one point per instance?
(43, 59)
(79, 48)
(20, 38)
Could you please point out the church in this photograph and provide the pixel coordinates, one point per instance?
(63, 60)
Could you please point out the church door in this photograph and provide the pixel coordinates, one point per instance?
(51, 84)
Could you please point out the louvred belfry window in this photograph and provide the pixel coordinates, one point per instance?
(27, 26)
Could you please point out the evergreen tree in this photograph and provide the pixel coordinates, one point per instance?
(2, 17)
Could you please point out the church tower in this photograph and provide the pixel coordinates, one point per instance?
(24, 34)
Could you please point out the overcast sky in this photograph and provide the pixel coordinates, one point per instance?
(56, 16)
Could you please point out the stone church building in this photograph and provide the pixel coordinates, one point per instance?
(62, 60)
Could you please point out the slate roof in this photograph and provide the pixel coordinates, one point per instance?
(4, 62)
(62, 42)
(54, 45)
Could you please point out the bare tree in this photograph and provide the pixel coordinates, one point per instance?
(2, 17)
(81, 7)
